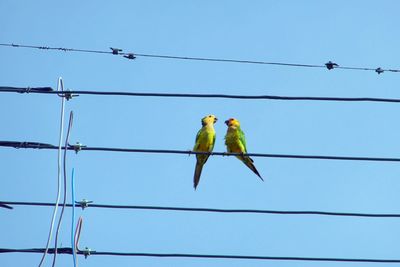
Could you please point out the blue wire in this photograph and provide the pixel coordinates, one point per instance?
(73, 217)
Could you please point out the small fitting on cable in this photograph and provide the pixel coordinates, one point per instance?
(87, 252)
(68, 95)
(331, 65)
(130, 56)
(116, 51)
(379, 70)
(77, 147)
(84, 203)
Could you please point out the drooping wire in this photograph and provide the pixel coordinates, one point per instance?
(50, 91)
(71, 118)
(115, 51)
(213, 210)
(66, 250)
(79, 147)
(73, 217)
(60, 88)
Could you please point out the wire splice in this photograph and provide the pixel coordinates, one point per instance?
(130, 56)
(331, 65)
(379, 70)
(116, 51)
(77, 147)
(84, 203)
(87, 252)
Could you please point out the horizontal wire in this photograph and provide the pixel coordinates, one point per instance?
(37, 145)
(49, 90)
(67, 250)
(161, 208)
(114, 51)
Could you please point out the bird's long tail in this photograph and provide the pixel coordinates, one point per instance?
(197, 173)
(249, 163)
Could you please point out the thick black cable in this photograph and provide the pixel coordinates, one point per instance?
(183, 209)
(66, 250)
(49, 90)
(37, 145)
(134, 55)
(71, 118)
(5, 206)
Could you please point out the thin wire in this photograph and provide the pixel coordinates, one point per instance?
(134, 55)
(71, 119)
(187, 209)
(66, 250)
(73, 217)
(50, 91)
(60, 87)
(37, 145)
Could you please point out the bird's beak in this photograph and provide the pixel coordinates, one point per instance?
(227, 122)
(215, 119)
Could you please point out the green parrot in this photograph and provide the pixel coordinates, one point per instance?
(236, 143)
(205, 140)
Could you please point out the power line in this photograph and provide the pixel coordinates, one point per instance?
(79, 147)
(183, 209)
(116, 51)
(49, 90)
(66, 250)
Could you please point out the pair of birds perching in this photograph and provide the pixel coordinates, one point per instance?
(234, 140)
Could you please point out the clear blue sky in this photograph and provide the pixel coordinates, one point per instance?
(351, 33)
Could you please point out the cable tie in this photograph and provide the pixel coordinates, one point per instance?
(87, 252)
(130, 56)
(379, 70)
(84, 203)
(77, 147)
(116, 51)
(331, 65)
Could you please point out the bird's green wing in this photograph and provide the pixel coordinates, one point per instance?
(242, 139)
(213, 143)
(196, 142)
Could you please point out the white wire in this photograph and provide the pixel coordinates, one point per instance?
(60, 85)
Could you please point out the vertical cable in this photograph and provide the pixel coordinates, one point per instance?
(60, 87)
(71, 118)
(73, 217)
(77, 236)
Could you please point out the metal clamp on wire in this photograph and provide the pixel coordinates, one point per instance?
(116, 51)
(130, 56)
(379, 70)
(84, 203)
(331, 65)
(67, 94)
(77, 147)
(87, 252)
